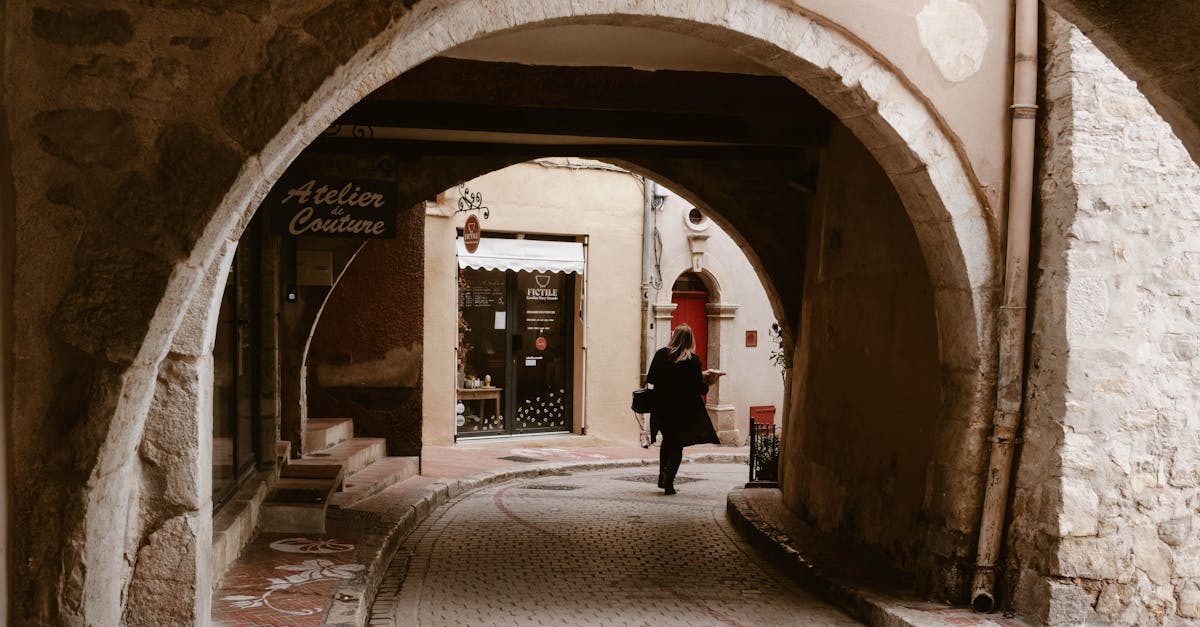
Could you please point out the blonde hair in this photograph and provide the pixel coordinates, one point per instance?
(682, 343)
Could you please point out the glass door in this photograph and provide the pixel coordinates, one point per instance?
(515, 352)
(542, 352)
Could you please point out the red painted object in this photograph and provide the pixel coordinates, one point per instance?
(690, 308)
(762, 414)
(471, 234)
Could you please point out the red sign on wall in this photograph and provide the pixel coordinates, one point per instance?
(540, 343)
(471, 234)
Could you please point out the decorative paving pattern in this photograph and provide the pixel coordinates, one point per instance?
(607, 553)
(285, 580)
(307, 545)
(310, 571)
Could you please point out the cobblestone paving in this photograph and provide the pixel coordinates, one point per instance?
(593, 548)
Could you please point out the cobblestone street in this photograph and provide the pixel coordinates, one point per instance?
(593, 548)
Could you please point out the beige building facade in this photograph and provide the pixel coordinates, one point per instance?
(599, 207)
(140, 140)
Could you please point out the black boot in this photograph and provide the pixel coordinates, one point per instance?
(662, 478)
(669, 489)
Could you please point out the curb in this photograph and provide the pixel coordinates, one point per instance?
(350, 604)
(870, 608)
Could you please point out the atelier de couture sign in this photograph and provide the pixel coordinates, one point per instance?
(330, 207)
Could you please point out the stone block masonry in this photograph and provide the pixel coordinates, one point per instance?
(1107, 523)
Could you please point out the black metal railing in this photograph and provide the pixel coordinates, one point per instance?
(764, 452)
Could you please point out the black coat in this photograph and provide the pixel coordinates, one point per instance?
(678, 407)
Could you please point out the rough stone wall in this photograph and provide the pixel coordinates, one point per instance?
(861, 459)
(1106, 521)
(124, 156)
(7, 246)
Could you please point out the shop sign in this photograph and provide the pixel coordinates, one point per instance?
(471, 234)
(332, 207)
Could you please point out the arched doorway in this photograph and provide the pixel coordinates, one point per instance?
(927, 168)
(690, 297)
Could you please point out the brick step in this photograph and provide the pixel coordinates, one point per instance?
(322, 433)
(354, 454)
(374, 479)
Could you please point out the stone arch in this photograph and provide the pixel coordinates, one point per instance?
(711, 283)
(898, 126)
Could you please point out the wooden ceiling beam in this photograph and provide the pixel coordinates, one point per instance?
(643, 125)
(402, 148)
(601, 88)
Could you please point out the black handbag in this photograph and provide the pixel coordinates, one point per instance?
(643, 401)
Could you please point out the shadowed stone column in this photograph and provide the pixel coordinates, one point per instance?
(720, 329)
(172, 578)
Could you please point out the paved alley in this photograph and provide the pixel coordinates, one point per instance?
(601, 547)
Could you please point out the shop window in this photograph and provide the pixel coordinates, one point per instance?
(235, 380)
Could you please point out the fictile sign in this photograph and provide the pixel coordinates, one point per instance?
(330, 207)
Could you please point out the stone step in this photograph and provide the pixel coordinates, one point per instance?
(374, 479)
(322, 433)
(329, 472)
(354, 454)
(298, 504)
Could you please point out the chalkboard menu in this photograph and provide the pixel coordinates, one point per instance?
(484, 289)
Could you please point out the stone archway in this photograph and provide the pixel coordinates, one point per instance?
(898, 127)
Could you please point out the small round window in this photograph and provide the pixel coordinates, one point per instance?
(695, 217)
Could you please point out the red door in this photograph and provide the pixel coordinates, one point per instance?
(690, 309)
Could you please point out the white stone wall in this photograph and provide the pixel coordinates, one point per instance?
(752, 379)
(1107, 523)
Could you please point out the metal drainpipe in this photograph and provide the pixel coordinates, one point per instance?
(583, 308)
(649, 187)
(1011, 338)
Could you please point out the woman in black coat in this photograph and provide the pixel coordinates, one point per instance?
(678, 407)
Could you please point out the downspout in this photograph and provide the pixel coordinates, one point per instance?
(1011, 336)
(649, 188)
(583, 317)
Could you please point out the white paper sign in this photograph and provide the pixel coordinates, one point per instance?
(501, 320)
(530, 361)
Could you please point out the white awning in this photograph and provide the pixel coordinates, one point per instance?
(522, 255)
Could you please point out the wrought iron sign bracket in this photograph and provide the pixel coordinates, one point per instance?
(469, 201)
(357, 131)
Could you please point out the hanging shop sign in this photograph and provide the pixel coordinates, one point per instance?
(471, 203)
(471, 234)
(333, 207)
